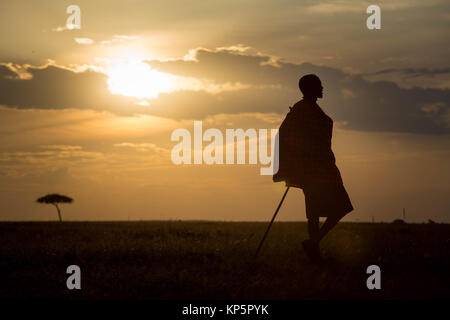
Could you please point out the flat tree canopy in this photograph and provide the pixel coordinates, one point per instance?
(54, 198)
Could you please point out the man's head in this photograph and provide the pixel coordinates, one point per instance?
(310, 86)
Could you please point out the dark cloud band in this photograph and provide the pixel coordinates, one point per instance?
(362, 105)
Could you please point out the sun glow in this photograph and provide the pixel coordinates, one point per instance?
(137, 79)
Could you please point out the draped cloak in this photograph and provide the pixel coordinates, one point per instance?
(306, 160)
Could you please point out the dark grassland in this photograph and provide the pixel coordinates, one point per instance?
(214, 260)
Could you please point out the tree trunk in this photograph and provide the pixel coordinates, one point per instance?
(59, 212)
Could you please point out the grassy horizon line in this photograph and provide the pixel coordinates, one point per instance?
(204, 221)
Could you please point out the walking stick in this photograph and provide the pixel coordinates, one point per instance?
(270, 224)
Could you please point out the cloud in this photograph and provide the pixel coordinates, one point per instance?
(223, 65)
(351, 99)
(349, 6)
(85, 41)
(61, 147)
(143, 147)
(247, 83)
(60, 29)
(56, 87)
(118, 39)
(438, 111)
(335, 7)
(6, 72)
(413, 77)
(48, 158)
(413, 72)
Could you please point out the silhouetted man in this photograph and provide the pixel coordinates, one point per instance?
(306, 161)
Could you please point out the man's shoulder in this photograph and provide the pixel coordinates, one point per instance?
(304, 105)
(299, 104)
(301, 109)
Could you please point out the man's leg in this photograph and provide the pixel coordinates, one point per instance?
(329, 224)
(313, 229)
(311, 246)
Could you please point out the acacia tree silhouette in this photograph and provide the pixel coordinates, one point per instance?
(54, 199)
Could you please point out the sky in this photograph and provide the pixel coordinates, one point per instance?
(89, 112)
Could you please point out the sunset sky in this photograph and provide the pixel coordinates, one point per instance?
(89, 112)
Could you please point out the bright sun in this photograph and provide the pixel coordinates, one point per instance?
(137, 79)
